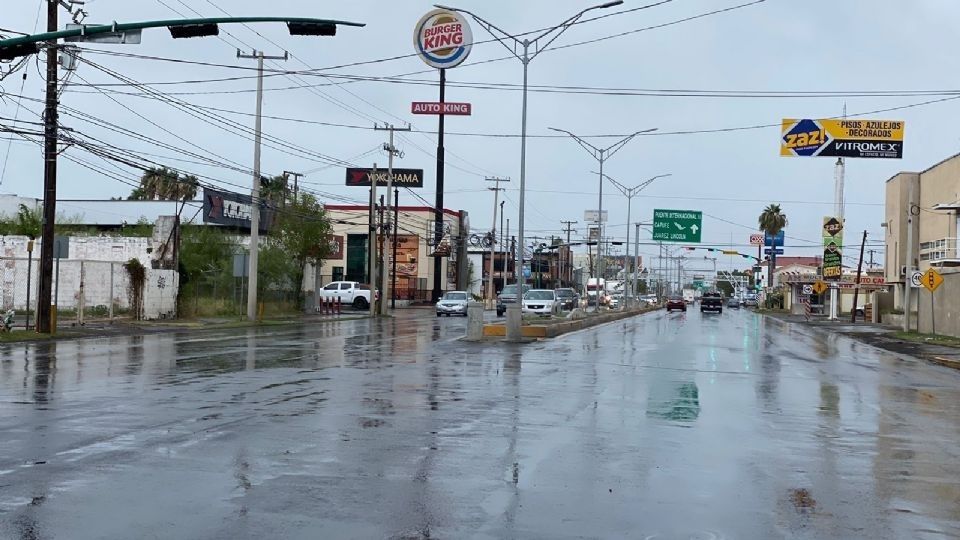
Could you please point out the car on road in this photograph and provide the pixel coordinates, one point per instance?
(711, 301)
(733, 302)
(750, 300)
(676, 302)
(453, 303)
(509, 296)
(616, 300)
(350, 293)
(568, 298)
(540, 302)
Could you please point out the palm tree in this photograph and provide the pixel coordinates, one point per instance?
(163, 184)
(274, 191)
(187, 187)
(772, 220)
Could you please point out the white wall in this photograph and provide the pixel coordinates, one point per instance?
(91, 263)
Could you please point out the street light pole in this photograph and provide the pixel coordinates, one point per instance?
(601, 155)
(513, 317)
(630, 193)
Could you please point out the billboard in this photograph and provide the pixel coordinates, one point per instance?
(832, 248)
(408, 255)
(232, 210)
(362, 177)
(336, 245)
(594, 216)
(842, 138)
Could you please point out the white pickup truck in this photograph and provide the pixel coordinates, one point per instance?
(349, 292)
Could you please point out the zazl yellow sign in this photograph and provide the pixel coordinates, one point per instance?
(842, 138)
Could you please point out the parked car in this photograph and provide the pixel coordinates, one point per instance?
(676, 302)
(453, 303)
(349, 292)
(568, 298)
(711, 301)
(540, 302)
(508, 296)
(733, 302)
(616, 300)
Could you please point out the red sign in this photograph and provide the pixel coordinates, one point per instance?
(433, 107)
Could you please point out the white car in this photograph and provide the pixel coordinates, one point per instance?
(540, 302)
(453, 303)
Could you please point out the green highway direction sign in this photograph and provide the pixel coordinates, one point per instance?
(677, 225)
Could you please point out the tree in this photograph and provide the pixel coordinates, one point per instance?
(303, 231)
(772, 220)
(163, 184)
(274, 191)
(25, 223)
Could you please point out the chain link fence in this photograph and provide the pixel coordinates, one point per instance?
(83, 291)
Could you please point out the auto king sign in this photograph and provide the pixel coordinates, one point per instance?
(677, 225)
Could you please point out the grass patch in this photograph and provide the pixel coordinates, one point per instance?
(29, 335)
(948, 341)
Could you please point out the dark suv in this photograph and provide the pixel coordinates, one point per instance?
(508, 296)
(568, 298)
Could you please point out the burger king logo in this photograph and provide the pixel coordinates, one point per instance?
(443, 39)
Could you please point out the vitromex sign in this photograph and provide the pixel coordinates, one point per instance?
(842, 138)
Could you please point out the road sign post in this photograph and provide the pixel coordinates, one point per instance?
(932, 280)
(678, 225)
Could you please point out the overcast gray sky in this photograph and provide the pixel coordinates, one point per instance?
(776, 45)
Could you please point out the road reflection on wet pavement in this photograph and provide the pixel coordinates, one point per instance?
(661, 426)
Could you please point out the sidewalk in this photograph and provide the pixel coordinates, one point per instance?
(941, 350)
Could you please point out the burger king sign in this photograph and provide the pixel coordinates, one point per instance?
(443, 39)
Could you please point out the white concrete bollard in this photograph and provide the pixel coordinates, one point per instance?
(474, 321)
(514, 322)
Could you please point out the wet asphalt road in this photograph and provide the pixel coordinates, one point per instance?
(662, 426)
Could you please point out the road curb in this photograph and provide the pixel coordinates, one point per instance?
(533, 332)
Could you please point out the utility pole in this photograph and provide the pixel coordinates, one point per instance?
(372, 242)
(856, 286)
(255, 191)
(296, 187)
(493, 235)
(506, 261)
(503, 270)
(871, 252)
(391, 152)
(907, 281)
(49, 177)
(568, 272)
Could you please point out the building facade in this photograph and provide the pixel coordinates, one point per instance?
(926, 205)
(416, 250)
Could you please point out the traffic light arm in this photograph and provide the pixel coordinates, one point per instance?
(94, 29)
